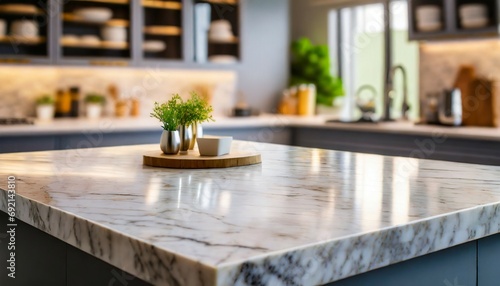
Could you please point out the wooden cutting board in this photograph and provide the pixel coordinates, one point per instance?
(465, 77)
(479, 109)
(194, 161)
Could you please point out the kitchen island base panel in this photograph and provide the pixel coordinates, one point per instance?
(42, 259)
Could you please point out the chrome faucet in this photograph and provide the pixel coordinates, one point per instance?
(390, 93)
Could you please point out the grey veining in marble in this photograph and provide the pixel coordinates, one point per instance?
(302, 217)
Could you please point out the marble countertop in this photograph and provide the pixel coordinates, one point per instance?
(71, 126)
(303, 217)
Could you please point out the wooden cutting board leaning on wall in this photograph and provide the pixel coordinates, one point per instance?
(480, 107)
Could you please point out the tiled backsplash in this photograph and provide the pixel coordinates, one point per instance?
(440, 64)
(20, 86)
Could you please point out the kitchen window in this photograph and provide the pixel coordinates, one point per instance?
(357, 46)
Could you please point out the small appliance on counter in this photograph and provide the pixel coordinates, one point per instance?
(450, 107)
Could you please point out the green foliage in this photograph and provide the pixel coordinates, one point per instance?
(176, 112)
(45, 100)
(195, 110)
(168, 113)
(95, 98)
(311, 64)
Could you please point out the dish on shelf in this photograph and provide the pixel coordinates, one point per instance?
(24, 28)
(154, 46)
(19, 8)
(220, 31)
(473, 11)
(223, 59)
(95, 14)
(232, 40)
(474, 23)
(428, 13)
(429, 26)
(163, 30)
(114, 34)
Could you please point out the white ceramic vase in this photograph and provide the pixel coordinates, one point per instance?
(45, 112)
(94, 110)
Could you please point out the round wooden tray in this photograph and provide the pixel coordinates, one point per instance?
(194, 161)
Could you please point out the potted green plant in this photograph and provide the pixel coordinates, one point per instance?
(168, 114)
(192, 113)
(203, 113)
(94, 103)
(311, 65)
(45, 107)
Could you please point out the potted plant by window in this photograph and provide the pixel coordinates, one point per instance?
(168, 114)
(93, 104)
(45, 107)
(311, 65)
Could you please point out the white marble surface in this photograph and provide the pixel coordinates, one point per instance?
(302, 217)
(71, 126)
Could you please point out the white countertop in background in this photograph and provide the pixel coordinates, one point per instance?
(72, 126)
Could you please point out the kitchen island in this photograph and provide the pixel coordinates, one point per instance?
(303, 217)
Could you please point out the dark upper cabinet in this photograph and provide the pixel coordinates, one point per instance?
(453, 19)
(119, 32)
(25, 31)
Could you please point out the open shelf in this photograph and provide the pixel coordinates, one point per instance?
(71, 18)
(163, 30)
(155, 4)
(101, 45)
(117, 2)
(22, 40)
(223, 2)
(233, 41)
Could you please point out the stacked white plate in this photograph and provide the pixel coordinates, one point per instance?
(428, 18)
(473, 16)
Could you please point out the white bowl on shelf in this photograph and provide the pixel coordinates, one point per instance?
(24, 28)
(220, 30)
(94, 14)
(428, 13)
(114, 34)
(474, 23)
(473, 11)
(429, 26)
(223, 59)
(153, 46)
(214, 146)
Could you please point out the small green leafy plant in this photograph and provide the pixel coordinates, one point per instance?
(195, 110)
(45, 100)
(311, 64)
(177, 112)
(168, 113)
(95, 98)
